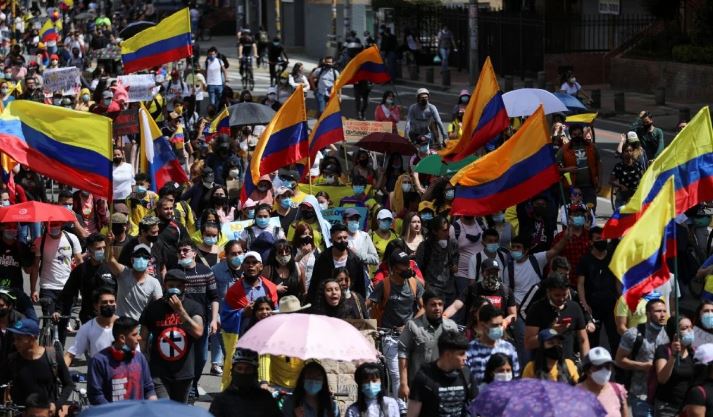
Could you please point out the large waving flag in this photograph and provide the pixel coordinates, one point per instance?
(50, 31)
(519, 169)
(689, 159)
(72, 147)
(640, 258)
(484, 117)
(221, 124)
(284, 141)
(158, 158)
(168, 41)
(367, 65)
(328, 129)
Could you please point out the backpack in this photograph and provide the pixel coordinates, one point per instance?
(53, 362)
(264, 243)
(42, 249)
(226, 63)
(705, 398)
(377, 310)
(457, 230)
(530, 295)
(623, 376)
(479, 261)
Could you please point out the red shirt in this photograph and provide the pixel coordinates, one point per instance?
(236, 297)
(383, 272)
(576, 248)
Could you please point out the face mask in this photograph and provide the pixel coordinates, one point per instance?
(363, 162)
(290, 184)
(491, 283)
(286, 202)
(140, 264)
(244, 380)
(185, 262)
(555, 352)
(358, 189)
(601, 377)
(423, 148)
(9, 234)
(384, 224)
(6, 203)
(210, 240)
(211, 58)
(443, 243)
(426, 217)
(87, 211)
(55, 231)
(107, 311)
(117, 161)
(701, 221)
(502, 377)
(324, 206)
(3, 90)
(173, 291)
(251, 214)
(707, 320)
(687, 338)
(371, 389)
(423, 101)
(235, 173)
(54, 62)
(578, 221)
(85, 98)
(236, 261)
(140, 189)
(283, 259)
(4, 312)
(329, 179)
(600, 245)
(572, 80)
(107, 102)
(313, 386)
(464, 99)
(99, 255)
(495, 333)
(389, 101)
(244, 146)
(262, 222)
(69, 207)
(492, 247)
(341, 246)
(353, 226)
(152, 238)
(406, 187)
(657, 327)
(540, 211)
(516, 255)
(450, 194)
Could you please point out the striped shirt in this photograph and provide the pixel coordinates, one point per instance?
(478, 354)
(201, 286)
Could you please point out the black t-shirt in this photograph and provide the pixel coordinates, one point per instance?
(441, 394)
(599, 282)
(674, 390)
(13, 257)
(502, 298)
(30, 376)
(274, 52)
(85, 279)
(701, 395)
(247, 43)
(171, 352)
(543, 315)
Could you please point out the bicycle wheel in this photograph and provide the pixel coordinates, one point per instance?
(251, 83)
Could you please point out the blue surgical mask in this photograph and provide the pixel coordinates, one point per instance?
(99, 255)
(236, 261)
(492, 247)
(450, 194)
(140, 189)
(517, 254)
(262, 222)
(707, 320)
(313, 386)
(173, 291)
(687, 338)
(578, 221)
(423, 148)
(54, 231)
(358, 189)
(499, 217)
(426, 216)
(251, 214)
(495, 333)
(286, 202)
(406, 187)
(6, 203)
(353, 226)
(210, 240)
(371, 389)
(385, 224)
(140, 264)
(185, 262)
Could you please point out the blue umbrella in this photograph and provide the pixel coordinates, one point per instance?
(570, 101)
(145, 408)
(535, 397)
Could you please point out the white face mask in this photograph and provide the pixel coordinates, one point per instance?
(443, 243)
(601, 376)
(502, 376)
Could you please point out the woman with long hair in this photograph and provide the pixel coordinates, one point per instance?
(331, 302)
(209, 250)
(282, 269)
(412, 234)
(673, 363)
(219, 202)
(388, 110)
(311, 397)
(497, 369)
(305, 250)
(371, 400)
(353, 303)
(703, 329)
(596, 373)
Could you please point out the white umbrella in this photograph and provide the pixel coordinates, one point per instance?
(524, 102)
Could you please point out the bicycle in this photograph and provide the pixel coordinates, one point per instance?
(10, 409)
(49, 333)
(381, 333)
(78, 400)
(246, 73)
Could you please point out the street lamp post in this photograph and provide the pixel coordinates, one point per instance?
(278, 22)
(473, 66)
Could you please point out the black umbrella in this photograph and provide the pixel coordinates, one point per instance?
(134, 28)
(250, 114)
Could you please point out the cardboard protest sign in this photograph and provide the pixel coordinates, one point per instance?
(354, 130)
(233, 230)
(334, 215)
(61, 80)
(141, 86)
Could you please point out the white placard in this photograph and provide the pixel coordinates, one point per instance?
(140, 86)
(64, 80)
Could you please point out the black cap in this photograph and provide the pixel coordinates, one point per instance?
(400, 257)
(175, 275)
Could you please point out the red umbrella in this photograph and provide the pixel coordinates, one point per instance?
(386, 143)
(34, 211)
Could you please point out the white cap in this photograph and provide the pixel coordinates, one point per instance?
(597, 356)
(271, 90)
(631, 136)
(384, 214)
(254, 255)
(422, 91)
(704, 354)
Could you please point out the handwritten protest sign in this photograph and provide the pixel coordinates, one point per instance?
(233, 230)
(354, 130)
(334, 215)
(141, 86)
(61, 80)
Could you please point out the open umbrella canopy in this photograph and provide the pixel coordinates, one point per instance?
(35, 211)
(250, 114)
(386, 142)
(571, 102)
(133, 28)
(308, 336)
(145, 408)
(434, 165)
(535, 397)
(524, 102)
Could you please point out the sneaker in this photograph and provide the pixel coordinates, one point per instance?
(216, 370)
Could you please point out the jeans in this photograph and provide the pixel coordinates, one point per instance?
(390, 350)
(214, 94)
(640, 408)
(444, 52)
(523, 355)
(48, 307)
(217, 352)
(175, 389)
(201, 355)
(321, 102)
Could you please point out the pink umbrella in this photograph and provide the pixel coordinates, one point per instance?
(308, 336)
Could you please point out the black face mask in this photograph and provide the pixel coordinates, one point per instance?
(117, 229)
(244, 381)
(407, 273)
(341, 246)
(555, 352)
(308, 215)
(423, 102)
(107, 311)
(152, 238)
(540, 211)
(600, 245)
(117, 161)
(363, 162)
(4, 312)
(220, 200)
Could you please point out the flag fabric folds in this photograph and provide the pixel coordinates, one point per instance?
(284, 140)
(221, 124)
(484, 117)
(72, 147)
(639, 260)
(519, 169)
(168, 41)
(158, 158)
(689, 159)
(367, 65)
(50, 31)
(328, 129)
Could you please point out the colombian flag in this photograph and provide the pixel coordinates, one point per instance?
(158, 158)
(8, 176)
(49, 32)
(72, 147)
(366, 66)
(284, 141)
(689, 159)
(168, 41)
(639, 260)
(221, 124)
(484, 117)
(328, 129)
(519, 169)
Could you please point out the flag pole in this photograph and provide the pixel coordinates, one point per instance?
(675, 285)
(309, 173)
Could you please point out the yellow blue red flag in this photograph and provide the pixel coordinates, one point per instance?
(328, 129)
(367, 65)
(168, 41)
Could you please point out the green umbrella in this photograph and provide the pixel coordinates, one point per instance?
(434, 165)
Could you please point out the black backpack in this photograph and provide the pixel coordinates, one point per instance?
(623, 376)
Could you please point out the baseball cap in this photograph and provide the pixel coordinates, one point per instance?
(282, 190)
(384, 214)
(119, 218)
(107, 94)
(271, 90)
(27, 327)
(425, 205)
(422, 91)
(548, 334)
(351, 212)
(254, 255)
(399, 257)
(141, 248)
(631, 136)
(176, 275)
(597, 356)
(149, 221)
(246, 356)
(490, 264)
(704, 354)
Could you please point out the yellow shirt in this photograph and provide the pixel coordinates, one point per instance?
(529, 371)
(316, 235)
(380, 243)
(139, 211)
(283, 370)
(632, 319)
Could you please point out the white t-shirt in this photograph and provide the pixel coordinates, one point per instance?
(57, 259)
(90, 339)
(214, 75)
(571, 89)
(132, 297)
(525, 275)
(123, 179)
(466, 247)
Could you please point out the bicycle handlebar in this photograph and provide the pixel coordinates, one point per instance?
(52, 317)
